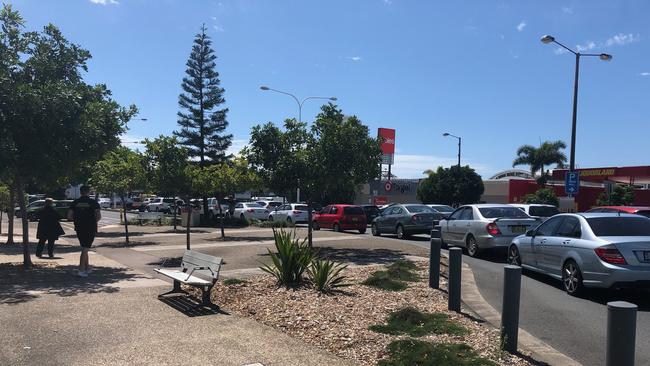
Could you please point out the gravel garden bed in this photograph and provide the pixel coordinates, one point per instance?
(340, 322)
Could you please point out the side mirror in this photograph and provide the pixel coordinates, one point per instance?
(531, 232)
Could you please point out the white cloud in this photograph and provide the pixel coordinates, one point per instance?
(105, 2)
(236, 147)
(560, 51)
(218, 28)
(388, 2)
(588, 46)
(354, 58)
(645, 73)
(567, 10)
(622, 39)
(413, 166)
(521, 26)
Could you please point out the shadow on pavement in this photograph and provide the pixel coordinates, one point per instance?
(17, 249)
(190, 307)
(122, 244)
(20, 285)
(238, 238)
(359, 255)
(165, 262)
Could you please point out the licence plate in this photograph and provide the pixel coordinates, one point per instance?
(646, 256)
(354, 219)
(518, 229)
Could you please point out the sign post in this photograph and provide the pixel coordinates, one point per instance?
(572, 183)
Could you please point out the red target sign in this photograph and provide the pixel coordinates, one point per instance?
(388, 186)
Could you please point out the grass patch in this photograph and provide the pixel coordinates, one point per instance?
(415, 323)
(382, 280)
(393, 278)
(233, 281)
(409, 352)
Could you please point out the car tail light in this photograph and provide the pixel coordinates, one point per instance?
(416, 218)
(250, 210)
(610, 255)
(493, 229)
(296, 212)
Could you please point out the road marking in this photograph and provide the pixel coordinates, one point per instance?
(232, 244)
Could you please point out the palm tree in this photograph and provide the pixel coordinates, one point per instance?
(537, 158)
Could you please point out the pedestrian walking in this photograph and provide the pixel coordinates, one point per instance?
(85, 212)
(49, 229)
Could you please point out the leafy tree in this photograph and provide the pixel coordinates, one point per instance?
(543, 196)
(202, 124)
(166, 165)
(120, 172)
(622, 195)
(53, 126)
(537, 158)
(451, 186)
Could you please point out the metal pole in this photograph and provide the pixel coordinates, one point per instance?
(510, 309)
(455, 262)
(459, 152)
(572, 161)
(434, 263)
(621, 333)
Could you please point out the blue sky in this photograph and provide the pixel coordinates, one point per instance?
(475, 69)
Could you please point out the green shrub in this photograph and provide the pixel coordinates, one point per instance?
(326, 275)
(402, 270)
(408, 352)
(233, 281)
(291, 260)
(415, 323)
(273, 224)
(382, 280)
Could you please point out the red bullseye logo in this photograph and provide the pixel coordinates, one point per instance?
(388, 186)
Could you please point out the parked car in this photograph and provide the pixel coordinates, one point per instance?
(603, 250)
(639, 210)
(483, 226)
(250, 210)
(290, 212)
(537, 210)
(60, 206)
(133, 203)
(340, 217)
(440, 212)
(371, 211)
(104, 202)
(404, 220)
(167, 205)
(270, 205)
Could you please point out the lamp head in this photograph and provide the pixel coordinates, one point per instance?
(334, 99)
(264, 87)
(445, 134)
(546, 39)
(605, 57)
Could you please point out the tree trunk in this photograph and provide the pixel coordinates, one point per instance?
(310, 224)
(223, 232)
(0, 222)
(27, 258)
(189, 220)
(10, 216)
(126, 220)
(175, 211)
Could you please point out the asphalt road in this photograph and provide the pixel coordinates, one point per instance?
(574, 326)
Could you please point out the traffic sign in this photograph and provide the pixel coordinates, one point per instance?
(572, 183)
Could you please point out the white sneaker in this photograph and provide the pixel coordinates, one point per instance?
(82, 274)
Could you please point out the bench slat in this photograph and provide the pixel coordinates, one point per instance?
(182, 277)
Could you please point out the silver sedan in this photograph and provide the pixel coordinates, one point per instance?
(603, 250)
(484, 226)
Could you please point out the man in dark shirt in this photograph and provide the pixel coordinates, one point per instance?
(85, 212)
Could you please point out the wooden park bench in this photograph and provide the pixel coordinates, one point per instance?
(197, 270)
(150, 216)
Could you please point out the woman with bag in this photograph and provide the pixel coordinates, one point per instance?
(49, 229)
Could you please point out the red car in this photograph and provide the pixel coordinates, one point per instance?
(639, 210)
(341, 217)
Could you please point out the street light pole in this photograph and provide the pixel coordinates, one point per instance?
(603, 56)
(459, 144)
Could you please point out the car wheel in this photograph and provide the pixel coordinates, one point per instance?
(362, 230)
(472, 247)
(443, 244)
(572, 278)
(271, 218)
(242, 217)
(288, 220)
(375, 230)
(315, 226)
(401, 234)
(514, 257)
(337, 228)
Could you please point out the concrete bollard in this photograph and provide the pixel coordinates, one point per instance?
(621, 333)
(510, 309)
(434, 264)
(455, 262)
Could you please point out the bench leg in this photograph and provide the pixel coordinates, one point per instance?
(205, 297)
(176, 290)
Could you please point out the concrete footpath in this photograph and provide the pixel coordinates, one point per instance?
(51, 317)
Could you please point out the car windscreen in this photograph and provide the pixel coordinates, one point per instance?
(274, 204)
(254, 205)
(301, 208)
(168, 200)
(543, 211)
(418, 209)
(645, 213)
(371, 210)
(620, 226)
(509, 212)
(353, 210)
(444, 209)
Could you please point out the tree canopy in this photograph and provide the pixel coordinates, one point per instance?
(542, 196)
(451, 186)
(166, 166)
(622, 195)
(548, 153)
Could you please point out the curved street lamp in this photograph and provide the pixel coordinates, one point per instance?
(446, 134)
(298, 101)
(547, 39)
